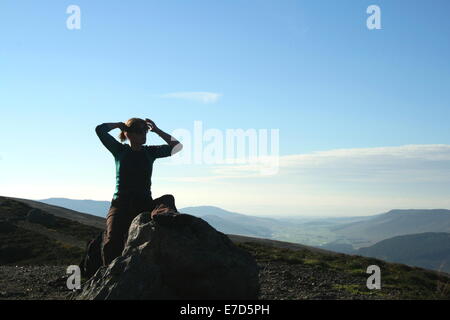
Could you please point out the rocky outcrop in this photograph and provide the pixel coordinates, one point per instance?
(175, 256)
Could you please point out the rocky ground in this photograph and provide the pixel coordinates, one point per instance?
(33, 283)
(278, 280)
(281, 281)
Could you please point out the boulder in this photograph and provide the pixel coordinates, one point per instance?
(169, 255)
(38, 216)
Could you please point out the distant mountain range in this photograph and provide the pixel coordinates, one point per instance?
(94, 207)
(393, 236)
(66, 212)
(234, 223)
(27, 241)
(223, 220)
(394, 223)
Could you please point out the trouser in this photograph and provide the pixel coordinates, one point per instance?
(121, 213)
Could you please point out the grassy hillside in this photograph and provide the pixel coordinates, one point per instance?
(398, 281)
(25, 243)
(288, 271)
(83, 218)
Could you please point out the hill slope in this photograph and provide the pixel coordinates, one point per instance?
(83, 218)
(24, 242)
(394, 223)
(427, 250)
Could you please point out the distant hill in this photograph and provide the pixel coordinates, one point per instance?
(341, 247)
(429, 250)
(342, 235)
(289, 271)
(223, 220)
(235, 223)
(95, 207)
(394, 223)
(365, 230)
(64, 212)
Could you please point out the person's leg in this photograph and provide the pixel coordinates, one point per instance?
(167, 199)
(117, 224)
(119, 218)
(141, 205)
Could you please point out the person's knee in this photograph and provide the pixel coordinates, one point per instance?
(107, 252)
(167, 200)
(111, 248)
(169, 197)
(111, 244)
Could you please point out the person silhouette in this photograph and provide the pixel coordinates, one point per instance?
(134, 166)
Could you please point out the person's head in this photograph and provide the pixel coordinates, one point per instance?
(136, 131)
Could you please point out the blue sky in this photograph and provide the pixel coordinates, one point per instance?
(362, 114)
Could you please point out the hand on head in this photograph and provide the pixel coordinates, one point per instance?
(151, 125)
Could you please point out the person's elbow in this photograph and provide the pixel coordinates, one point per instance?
(177, 148)
(99, 129)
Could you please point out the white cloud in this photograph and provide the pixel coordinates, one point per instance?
(203, 97)
(408, 163)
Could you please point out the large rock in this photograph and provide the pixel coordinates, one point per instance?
(175, 256)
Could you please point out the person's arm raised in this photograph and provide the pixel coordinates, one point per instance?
(175, 145)
(109, 141)
(112, 125)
